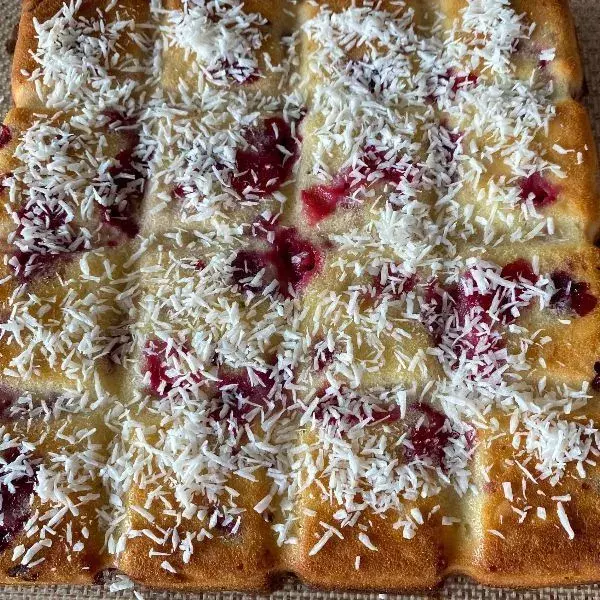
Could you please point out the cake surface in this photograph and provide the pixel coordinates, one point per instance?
(292, 286)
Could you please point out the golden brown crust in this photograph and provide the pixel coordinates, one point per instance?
(528, 555)
(17, 122)
(23, 89)
(555, 28)
(570, 355)
(529, 551)
(280, 21)
(570, 144)
(245, 564)
(62, 564)
(251, 555)
(24, 94)
(398, 563)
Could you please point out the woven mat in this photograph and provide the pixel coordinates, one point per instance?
(587, 16)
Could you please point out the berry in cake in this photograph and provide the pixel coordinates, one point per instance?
(538, 190)
(571, 295)
(267, 161)
(5, 135)
(16, 493)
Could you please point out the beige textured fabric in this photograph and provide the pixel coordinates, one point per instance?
(587, 16)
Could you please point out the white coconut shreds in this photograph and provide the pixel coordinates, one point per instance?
(88, 57)
(222, 38)
(182, 351)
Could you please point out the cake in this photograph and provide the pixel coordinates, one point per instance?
(292, 286)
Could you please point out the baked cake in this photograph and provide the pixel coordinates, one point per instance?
(299, 287)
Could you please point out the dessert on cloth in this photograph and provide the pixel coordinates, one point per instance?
(299, 286)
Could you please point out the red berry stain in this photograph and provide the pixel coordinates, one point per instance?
(296, 260)
(461, 80)
(449, 139)
(397, 284)
(596, 380)
(470, 438)
(5, 135)
(292, 261)
(390, 415)
(33, 264)
(520, 271)
(16, 503)
(249, 263)
(372, 170)
(539, 189)
(45, 220)
(469, 309)
(128, 188)
(160, 383)
(455, 137)
(456, 80)
(162, 378)
(178, 192)
(321, 201)
(472, 304)
(238, 396)
(236, 72)
(50, 218)
(431, 437)
(267, 162)
(263, 226)
(225, 525)
(123, 219)
(571, 295)
(435, 311)
(323, 356)
(119, 119)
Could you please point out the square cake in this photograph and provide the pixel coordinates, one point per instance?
(296, 286)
